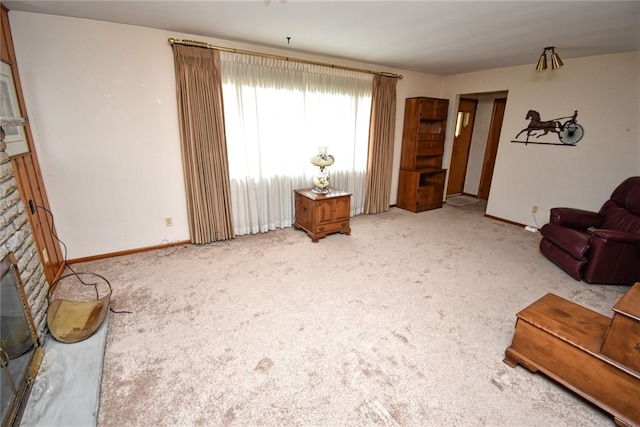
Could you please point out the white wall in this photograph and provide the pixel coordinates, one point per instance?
(604, 89)
(103, 115)
(101, 102)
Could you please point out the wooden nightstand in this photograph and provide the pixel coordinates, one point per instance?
(322, 214)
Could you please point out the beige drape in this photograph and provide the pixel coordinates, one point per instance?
(204, 148)
(381, 133)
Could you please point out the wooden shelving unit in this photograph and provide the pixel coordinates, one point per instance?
(421, 181)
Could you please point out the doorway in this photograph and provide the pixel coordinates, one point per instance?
(472, 162)
(461, 145)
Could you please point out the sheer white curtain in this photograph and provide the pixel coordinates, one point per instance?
(276, 115)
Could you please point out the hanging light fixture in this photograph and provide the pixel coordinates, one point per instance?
(542, 62)
(556, 62)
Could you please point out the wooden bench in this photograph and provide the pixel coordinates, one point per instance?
(595, 356)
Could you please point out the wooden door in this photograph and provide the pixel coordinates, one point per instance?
(493, 139)
(342, 208)
(461, 145)
(324, 211)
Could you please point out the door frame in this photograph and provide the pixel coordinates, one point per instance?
(489, 158)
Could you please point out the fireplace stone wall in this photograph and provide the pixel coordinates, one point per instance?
(16, 237)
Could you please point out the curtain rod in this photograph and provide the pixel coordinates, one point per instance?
(284, 58)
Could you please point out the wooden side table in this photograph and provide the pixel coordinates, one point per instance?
(320, 214)
(591, 354)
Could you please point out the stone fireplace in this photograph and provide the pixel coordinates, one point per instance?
(16, 237)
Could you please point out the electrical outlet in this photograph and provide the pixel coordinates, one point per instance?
(168, 222)
(534, 209)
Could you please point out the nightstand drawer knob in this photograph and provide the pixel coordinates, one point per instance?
(637, 347)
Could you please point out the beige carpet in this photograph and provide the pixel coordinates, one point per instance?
(404, 322)
(460, 200)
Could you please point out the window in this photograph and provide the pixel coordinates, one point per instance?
(276, 115)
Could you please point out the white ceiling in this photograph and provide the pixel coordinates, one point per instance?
(437, 37)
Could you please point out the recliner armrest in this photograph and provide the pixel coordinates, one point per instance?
(573, 242)
(578, 219)
(618, 236)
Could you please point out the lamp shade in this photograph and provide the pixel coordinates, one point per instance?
(542, 62)
(322, 159)
(556, 62)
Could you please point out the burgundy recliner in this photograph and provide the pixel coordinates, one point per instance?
(598, 247)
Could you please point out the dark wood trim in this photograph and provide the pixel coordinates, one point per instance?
(496, 218)
(4, 52)
(128, 252)
(28, 174)
(187, 242)
(504, 220)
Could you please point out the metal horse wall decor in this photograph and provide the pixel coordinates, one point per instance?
(569, 132)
